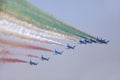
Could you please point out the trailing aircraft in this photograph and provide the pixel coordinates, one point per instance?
(70, 47)
(33, 63)
(57, 52)
(44, 58)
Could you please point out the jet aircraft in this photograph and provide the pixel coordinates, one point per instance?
(70, 47)
(57, 52)
(82, 42)
(101, 41)
(33, 63)
(93, 40)
(87, 41)
(44, 58)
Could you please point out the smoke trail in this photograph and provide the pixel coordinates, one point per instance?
(24, 31)
(5, 52)
(33, 56)
(31, 14)
(12, 60)
(27, 46)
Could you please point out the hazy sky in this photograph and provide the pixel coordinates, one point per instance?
(87, 62)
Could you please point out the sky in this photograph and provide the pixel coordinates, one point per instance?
(86, 62)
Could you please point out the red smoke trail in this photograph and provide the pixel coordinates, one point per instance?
(16, 44)
(30, 55)
(5, 52)
(11, 60)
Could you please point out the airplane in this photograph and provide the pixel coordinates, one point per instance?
(44, 58)
(93, 40)
(98, 40)
(102, 41)
(56, 52)
(33, 63)
(82, 42)
(105, 42)
(70, 47)
(87, 41)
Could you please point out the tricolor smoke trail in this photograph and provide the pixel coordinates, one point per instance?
(21, 19)
(12, 60)
(21, 45)
(14, 29)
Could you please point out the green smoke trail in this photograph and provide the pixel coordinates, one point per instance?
(25, 11)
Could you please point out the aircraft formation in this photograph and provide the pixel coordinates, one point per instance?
(27, 22)
(45, 58)
(85, 41)
(90, 41)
